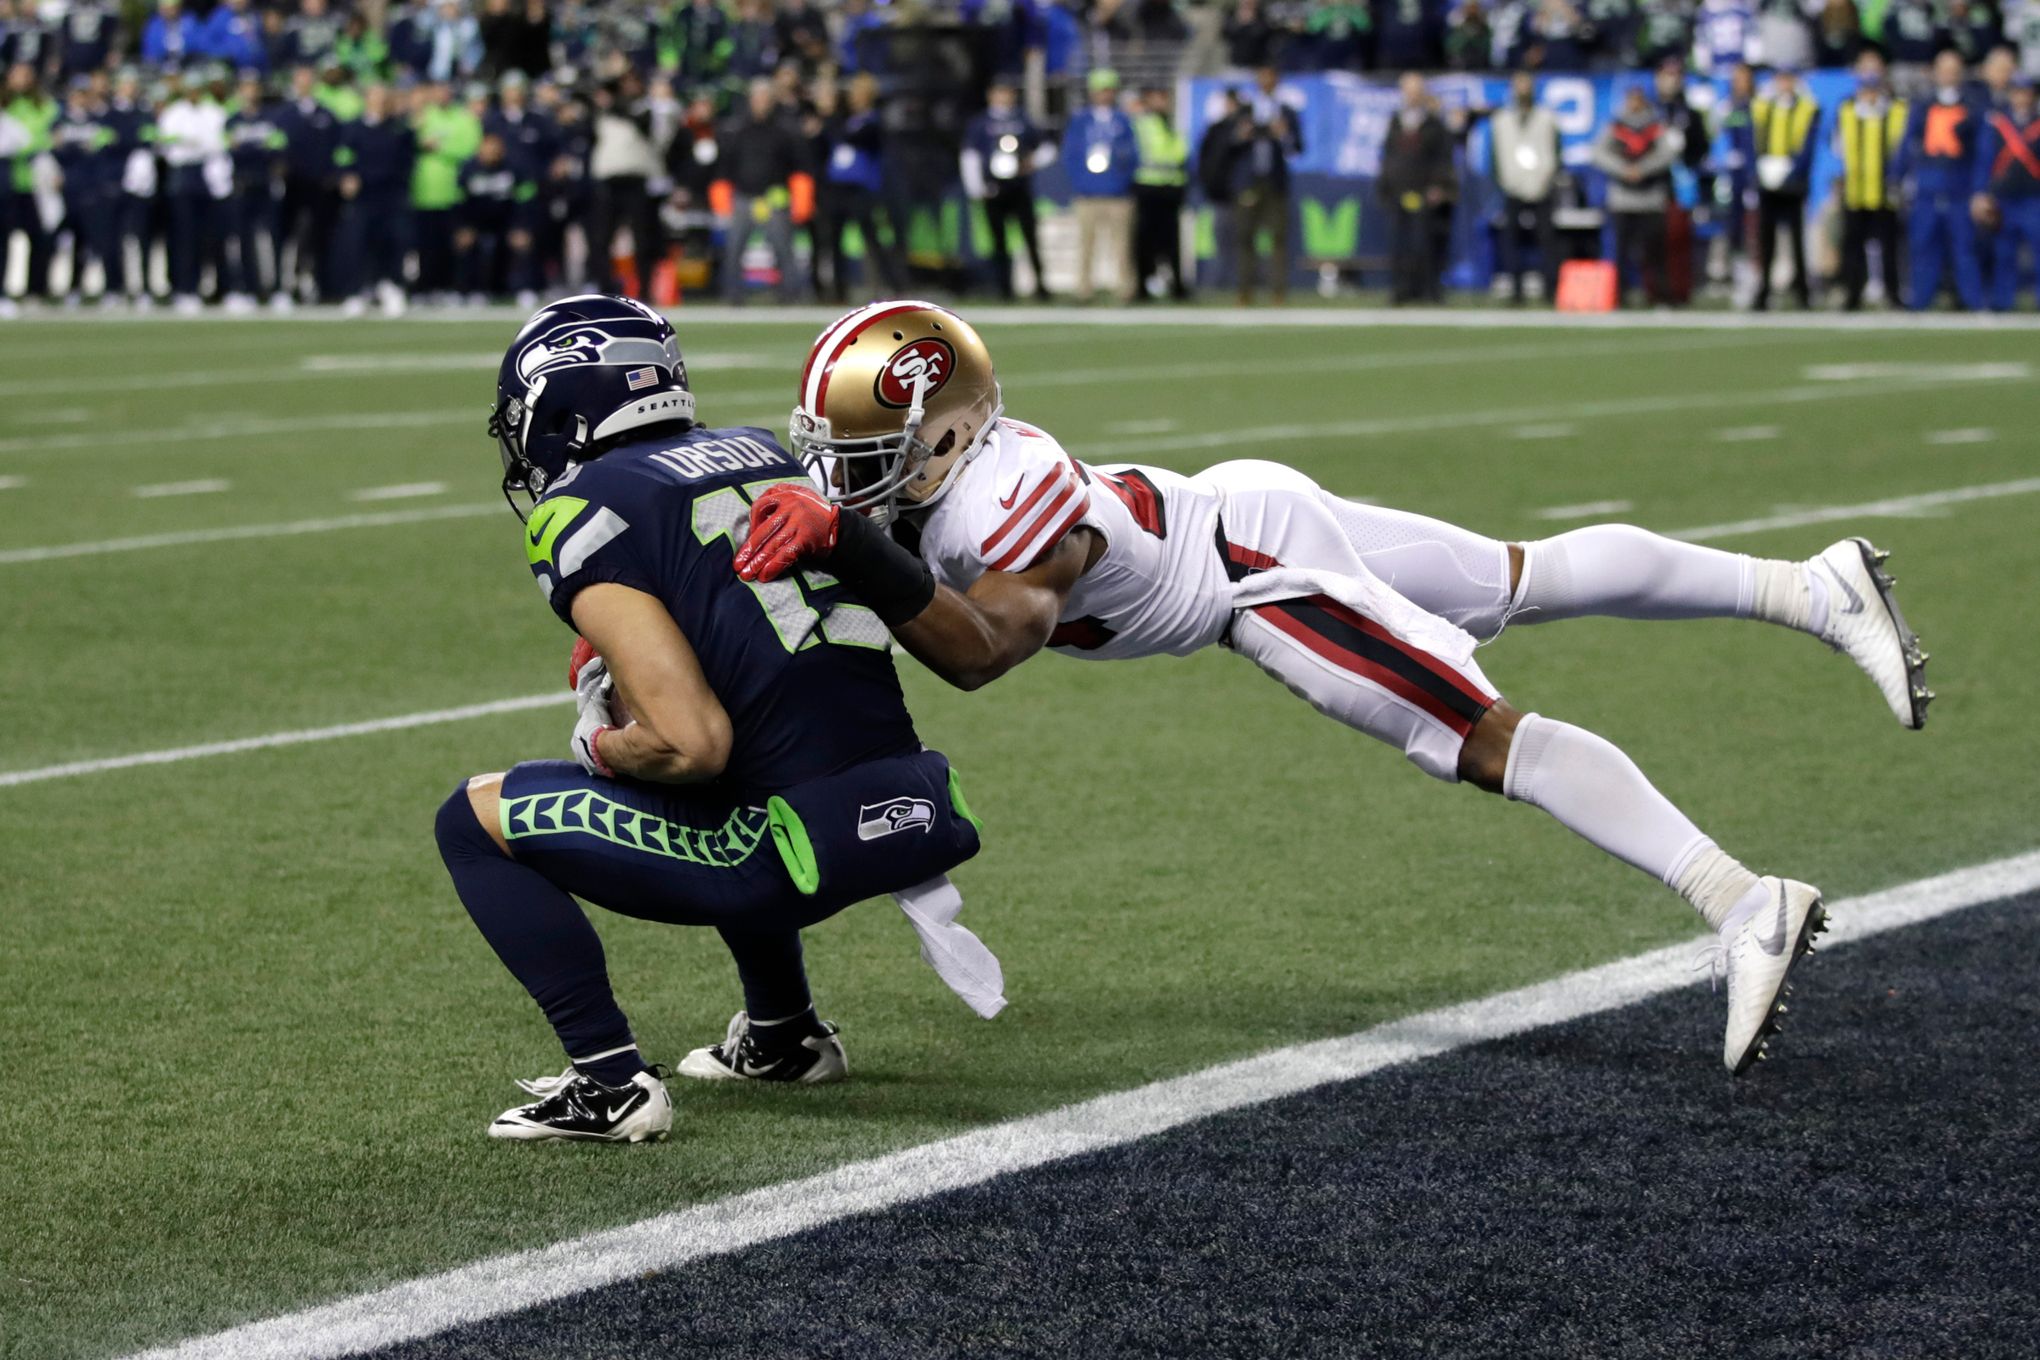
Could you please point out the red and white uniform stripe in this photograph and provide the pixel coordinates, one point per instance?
(837, 339)
(1150, 593)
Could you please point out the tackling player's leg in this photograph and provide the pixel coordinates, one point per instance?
(1452, 723)
(1841, 596)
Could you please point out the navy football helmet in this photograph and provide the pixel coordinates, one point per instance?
(582, 371)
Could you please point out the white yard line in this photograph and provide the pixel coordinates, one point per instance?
(1865, 372)
(1746, 434)
(505, 1284)
(11, 483)
(1895, 507)
(248, 427)
(203, 486)
(1973, 435)
(1544, 431)
(399, 492)
(230, 533)
(1585, 510)
(300, 737)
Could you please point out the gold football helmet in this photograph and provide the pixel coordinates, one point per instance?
(895, 398)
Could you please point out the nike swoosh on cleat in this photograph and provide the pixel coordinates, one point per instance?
(1777, 947)
(1855, 600)
(624, 1109)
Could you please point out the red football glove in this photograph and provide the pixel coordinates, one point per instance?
(583, 653)
(790, 524)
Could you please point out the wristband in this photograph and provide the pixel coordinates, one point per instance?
(595, 751)
(895, 583)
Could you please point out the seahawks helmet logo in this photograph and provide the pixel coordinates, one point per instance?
(889, 818)
(581, 343)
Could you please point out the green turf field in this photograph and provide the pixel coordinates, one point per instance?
(253, 1039)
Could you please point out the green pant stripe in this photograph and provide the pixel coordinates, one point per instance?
(588, 813)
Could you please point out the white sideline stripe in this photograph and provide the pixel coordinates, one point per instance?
(300, 737)
(1861, 372)
(1976, 435)
(1746, 434)
(10, 483)
(183, 537)
(1895, 507)
(203, 486)
(400, 491)
(1585, 509)
(504, 1284)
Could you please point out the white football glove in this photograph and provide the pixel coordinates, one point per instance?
(592, 691)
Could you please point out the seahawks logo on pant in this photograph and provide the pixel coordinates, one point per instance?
(900, 814)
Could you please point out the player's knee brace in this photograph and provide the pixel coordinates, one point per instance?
(459, 832)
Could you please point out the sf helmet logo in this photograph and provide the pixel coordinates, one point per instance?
(931, 359)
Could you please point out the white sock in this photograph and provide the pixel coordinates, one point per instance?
(1620, 571)
(1596, 791)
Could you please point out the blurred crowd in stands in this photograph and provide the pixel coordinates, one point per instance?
(376, 153)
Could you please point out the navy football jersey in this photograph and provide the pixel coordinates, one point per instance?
(803, 669)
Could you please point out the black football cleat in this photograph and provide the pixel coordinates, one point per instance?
(577, 1107)
(816, 1057)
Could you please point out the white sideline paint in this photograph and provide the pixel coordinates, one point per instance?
(229, 533)
(711, 362)
(1959, 372)
(300, 737)
(1544, 431)
(203, 486)
(1585, 509)
(1975, 435)
(1746, 434)
(504, 1284)
(400, 491)
(1897, 507)
(11, 483)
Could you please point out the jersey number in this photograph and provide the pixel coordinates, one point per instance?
(1143, 499)
(727, 514)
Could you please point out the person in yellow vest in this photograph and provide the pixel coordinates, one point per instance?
(1159, 180)
(1869, 134)
(1784, 119)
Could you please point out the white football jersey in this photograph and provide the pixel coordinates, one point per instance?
(1161, 586)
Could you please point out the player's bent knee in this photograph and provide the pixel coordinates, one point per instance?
(1484, 760)
(470, 820)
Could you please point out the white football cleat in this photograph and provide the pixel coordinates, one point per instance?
(1759, 951)
(818, 1057)
(579, 1108)
(1863, 623)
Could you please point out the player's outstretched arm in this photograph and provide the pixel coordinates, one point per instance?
(971, 639)
(679, 733)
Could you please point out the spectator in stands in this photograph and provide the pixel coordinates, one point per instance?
(493, 242)
(857, 18)
(802, 35)
(1735, 159)
(85, 38)
(1636, 152)
(1837, 34)
(1159, 186)
(1411, 34)
(1340, 34)
(13, 147)
(1940, 152)
(1558, 36)
(758, 152)
(133, 126)
(851, 192)
(1910, 34)
(1469, 37)
(1970, 28)
(1995, 72)
(451, 43)
(84, 147)
(516, 35)
(255, 140)
(1250, 40)
(447, 136)
(1523, 141)
(375, 157)
(1416, 176)
(1266, 136)
(2008, 187)
(1869, 138)
(309, 36)
(1783, 123)
(529, 138)
(1099, 156)
(171, 37)
(622, 165)
(1001, 151)
(1783, 34)
(1664, 28)
(192, 138)
(1217, 150)
(233, 36)
(305, 217)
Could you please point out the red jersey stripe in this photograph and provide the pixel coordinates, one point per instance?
(1030, 549)
(1013, 521)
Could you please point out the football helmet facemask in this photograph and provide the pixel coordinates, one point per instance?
(896, 397)
(582, 370)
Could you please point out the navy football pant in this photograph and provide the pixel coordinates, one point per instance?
(690, 857)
